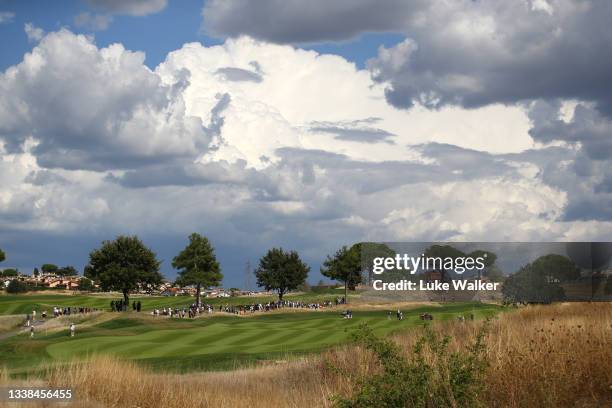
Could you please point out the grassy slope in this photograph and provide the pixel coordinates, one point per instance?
(220, 342)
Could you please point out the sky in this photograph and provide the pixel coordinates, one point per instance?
(306, 125)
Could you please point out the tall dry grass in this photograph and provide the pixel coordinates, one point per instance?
(539, 356)
(10, 323)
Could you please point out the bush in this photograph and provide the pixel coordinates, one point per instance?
(431, 377)
(16, 286)
(86, 284)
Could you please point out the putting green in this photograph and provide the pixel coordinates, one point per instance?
(217, 342)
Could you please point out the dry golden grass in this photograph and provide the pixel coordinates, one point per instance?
(10, 322)
(552, 356)
(540, 356)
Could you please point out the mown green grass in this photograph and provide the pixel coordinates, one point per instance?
(23, 304)
(219, 342)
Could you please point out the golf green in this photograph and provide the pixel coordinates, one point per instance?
(218, 342)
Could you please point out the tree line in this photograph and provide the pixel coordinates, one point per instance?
(125, 264)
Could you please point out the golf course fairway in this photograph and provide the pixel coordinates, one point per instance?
(219, 342)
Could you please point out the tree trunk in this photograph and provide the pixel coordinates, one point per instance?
(126, 299)
(280, 295)
(346, 291)
(198, 295)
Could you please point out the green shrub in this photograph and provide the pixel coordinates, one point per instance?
(16, 286)
(431, 377)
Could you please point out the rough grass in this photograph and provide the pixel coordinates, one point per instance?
(540, 356)
(10, 323)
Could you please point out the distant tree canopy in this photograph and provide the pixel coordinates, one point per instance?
(35, 272)
(86, 284)
(281, 271)
(197, 265)
(17, 286)
(494, 274)
(488, 257)
(370, 250)
(9, 272)
(49, 268)
(67, 271)
(539, 281)
(448, 251)
(344, 266)
(443, 251)
(123, 264)
(556, 268)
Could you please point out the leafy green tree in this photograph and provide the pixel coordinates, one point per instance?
(443, 251)
(489, 259)
(86, 284)
(281, 271)
(10, 272)
(370, 250)
(67, 271)
(197, 265)
(35, 272)
(123, 265)
(49, 268)
(540, 280)
(344, 266)
(556, 268)
(494, 274)
(17, 286)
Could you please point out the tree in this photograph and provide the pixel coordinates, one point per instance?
(489, 259)
(494, 274)
(9, 272)
(197, 265)
(370, 250)
(2, 255)
(16, 286)
(67, 271)
(35, 272)
(49, 268)
(444, 252)
(556, 268)
(540, 280)
(344, 266)
(86, 284)
(281, 271)
(123, 265)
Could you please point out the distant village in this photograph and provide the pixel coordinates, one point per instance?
(57, 281)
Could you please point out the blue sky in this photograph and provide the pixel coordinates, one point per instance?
(156, 34)
(271, 129)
